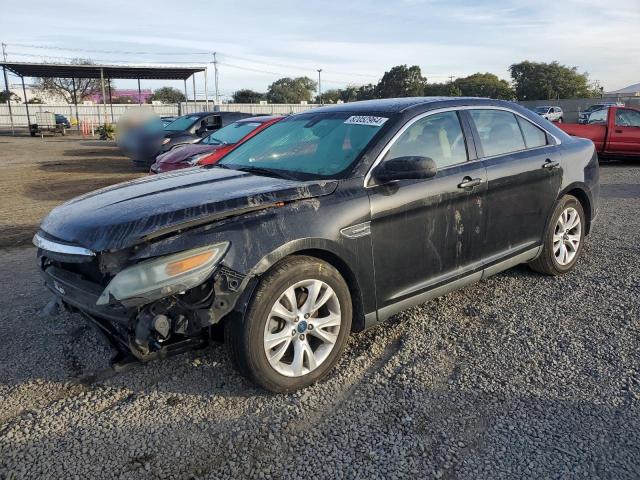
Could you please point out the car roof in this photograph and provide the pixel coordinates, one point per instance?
(399, 105)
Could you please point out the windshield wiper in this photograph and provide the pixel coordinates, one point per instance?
(267, 172)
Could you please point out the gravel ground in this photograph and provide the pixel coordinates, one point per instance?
(519, 376)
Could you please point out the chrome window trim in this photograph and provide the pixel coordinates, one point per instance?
(405, 127)
(50, 246)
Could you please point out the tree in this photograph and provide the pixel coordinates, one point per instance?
(14, 97)
(291, 90)
(485, 85)
(168, 95)
(543, 81)
(442, 90)
(330, 96)
(63, 87)
(248, 96)
(401, 81)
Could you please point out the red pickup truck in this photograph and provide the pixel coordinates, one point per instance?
(614, 131)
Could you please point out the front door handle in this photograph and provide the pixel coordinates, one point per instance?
(550, 165)
(468, 182)
(619, 131)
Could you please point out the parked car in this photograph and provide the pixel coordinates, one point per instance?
(143, 146)
(328, 222)
(584, 115)
(615, 131)
(553, 114)
(62, 120)
(213, 147)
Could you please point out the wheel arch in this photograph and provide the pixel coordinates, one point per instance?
(580, 192)
(326, 251)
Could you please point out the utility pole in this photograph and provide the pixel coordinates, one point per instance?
(6, 86)
(320, 86)
(451, 77)
(215, 77)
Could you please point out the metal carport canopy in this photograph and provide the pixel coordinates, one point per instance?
(66, 70)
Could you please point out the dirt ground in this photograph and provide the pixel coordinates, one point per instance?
(37, 174)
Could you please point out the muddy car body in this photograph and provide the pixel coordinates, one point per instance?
(425, 204)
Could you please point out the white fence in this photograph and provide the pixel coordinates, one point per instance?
(96, 113)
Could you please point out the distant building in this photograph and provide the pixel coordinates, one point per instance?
(144, 96)
(630, 91)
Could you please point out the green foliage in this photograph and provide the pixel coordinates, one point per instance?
(330, 96)
(248, 96)
(401, 81)
(543, 81)
(442, 90)
(484, 85)
(106, 131)
(168, 95)
(291, 90)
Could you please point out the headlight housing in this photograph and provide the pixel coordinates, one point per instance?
(165, 141)
(160, 277)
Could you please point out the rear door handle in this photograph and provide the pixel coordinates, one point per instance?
(619, 131)
(550, 165)
(468, 182)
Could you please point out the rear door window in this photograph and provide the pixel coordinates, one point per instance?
(533, 136)
(437, 136)
(499, 132)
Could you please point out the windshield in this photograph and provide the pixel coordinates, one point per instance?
(593, 108)
(542, 109)
(182, 123)
(307, 145)
(231, 133)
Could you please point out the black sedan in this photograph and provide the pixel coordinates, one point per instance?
(144, 145)
(328, 222)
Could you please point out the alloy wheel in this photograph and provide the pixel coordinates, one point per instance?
(566, 236)
(302, 328)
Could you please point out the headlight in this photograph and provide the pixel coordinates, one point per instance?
(196, 158)
(165, 141)
(164, 276)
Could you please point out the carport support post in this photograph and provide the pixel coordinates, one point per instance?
(6, 87)
(206, 91)
(75, 103)
(139, 93)
(104, 96)
(110, 100)
(186, 97)
(193, 77)
(26, 103)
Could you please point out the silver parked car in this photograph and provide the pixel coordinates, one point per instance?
(553, 114)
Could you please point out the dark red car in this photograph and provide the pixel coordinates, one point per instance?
(214, 146)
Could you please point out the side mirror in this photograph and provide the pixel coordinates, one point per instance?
(405, 168)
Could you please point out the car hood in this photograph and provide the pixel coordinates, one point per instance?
(122, 215)
(180, 154)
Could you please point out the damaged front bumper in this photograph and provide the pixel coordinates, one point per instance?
(145, 328)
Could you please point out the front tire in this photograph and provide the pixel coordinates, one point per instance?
(563, 238)
(296, 325)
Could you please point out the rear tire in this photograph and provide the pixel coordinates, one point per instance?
(563, 238)
(560, 120)
(295, 328)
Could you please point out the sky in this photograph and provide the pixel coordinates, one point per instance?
(352, 41)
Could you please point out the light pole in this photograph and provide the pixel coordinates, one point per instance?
(320, 86)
